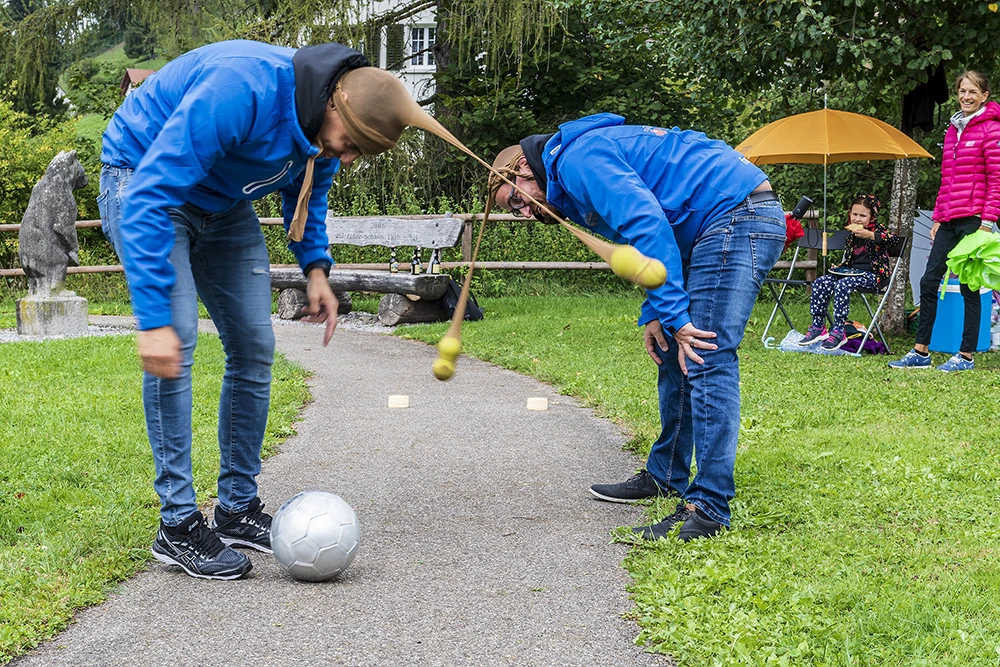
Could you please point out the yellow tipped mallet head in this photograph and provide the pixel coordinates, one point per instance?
(443, 368)
(449, 347)
(630, 264)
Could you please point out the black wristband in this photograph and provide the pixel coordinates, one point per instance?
(319, 264)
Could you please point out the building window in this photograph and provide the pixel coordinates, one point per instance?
(421, 41)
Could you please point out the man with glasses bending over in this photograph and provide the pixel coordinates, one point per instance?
(710, 216)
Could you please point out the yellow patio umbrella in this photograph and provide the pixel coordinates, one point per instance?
(828, 136)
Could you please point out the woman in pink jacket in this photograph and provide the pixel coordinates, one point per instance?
(969, 199)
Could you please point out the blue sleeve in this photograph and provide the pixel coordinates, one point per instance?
(601, 179)
(315, 245)
(215, 114)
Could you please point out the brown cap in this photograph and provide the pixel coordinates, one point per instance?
(506, 164)
(375, 108)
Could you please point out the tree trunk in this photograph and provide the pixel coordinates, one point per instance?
(396, 309)
(903, 209)
(292, 300)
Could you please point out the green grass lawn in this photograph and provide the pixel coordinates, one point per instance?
(91, 126)
(77, 506)
(865, 529)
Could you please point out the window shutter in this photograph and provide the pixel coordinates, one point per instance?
(373, 43)
(395, 46)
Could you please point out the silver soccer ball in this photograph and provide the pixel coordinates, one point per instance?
(314, 535)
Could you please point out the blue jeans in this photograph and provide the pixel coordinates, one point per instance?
(221, 258)
(700, 413)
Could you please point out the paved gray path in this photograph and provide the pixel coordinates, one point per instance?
(480, 544)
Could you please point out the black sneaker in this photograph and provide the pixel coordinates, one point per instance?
(249, 528)
(637, 487)
(699, 525)
(661, 528)
(193, 547)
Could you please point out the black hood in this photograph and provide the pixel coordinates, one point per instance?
(533, 147)
(317, 70)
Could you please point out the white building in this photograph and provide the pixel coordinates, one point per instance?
(406, 49)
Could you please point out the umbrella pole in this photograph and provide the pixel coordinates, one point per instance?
(824, 214)
(824, 187)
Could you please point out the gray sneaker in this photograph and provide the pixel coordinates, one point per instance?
(665, 525)
(250, 528)
(699, 525)
(193, 547)
(637, 487)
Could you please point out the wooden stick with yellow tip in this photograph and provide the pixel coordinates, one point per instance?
(450, 346)
(626, 261)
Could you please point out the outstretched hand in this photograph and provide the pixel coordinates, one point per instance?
(323, 304)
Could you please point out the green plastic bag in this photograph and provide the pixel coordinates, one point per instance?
(976, 261)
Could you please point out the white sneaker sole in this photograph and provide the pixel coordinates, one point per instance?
(623, 501)
(164, 558)
(236, 542)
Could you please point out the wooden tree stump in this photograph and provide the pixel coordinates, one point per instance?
(292, 300)
(396, 309)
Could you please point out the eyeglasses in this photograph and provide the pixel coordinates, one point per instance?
(516, 204)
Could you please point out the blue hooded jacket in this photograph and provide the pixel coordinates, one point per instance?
(652, 188)
(216, 126)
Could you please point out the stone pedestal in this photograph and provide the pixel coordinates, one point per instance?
(54, 315)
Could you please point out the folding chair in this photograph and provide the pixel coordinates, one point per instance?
(882, 290)
(813, 240)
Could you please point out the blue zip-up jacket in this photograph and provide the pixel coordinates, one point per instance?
(214, 127)
(649, 187)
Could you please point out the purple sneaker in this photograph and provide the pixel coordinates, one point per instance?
(835, 340)
(814, 334)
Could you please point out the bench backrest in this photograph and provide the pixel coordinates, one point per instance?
(392, 232)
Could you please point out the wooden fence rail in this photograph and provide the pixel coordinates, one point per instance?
(467, 238)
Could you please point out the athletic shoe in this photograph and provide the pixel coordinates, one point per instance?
(957, 363)
(250, 528)
(835, 340)
(814, 334)
(912, 359)
(661, 528)
(197, 550)
(637, 487)
(699, 525)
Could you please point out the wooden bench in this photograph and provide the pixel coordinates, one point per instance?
(410, 296)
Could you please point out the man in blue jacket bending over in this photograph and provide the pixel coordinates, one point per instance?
(182, 159)
(710, 216)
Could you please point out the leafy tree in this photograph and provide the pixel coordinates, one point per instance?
(94, 86)
(140, 43)
(883, 48)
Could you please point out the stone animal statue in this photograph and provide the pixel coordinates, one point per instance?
(47, 243)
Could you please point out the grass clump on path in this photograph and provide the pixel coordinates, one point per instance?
(864, 529)
(77, 506)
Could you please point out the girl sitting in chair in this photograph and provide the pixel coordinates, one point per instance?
(865, 265)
